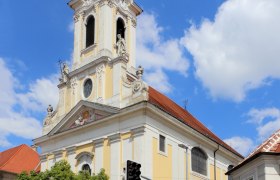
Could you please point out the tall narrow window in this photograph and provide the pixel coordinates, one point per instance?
(90, 31)
(120, 28)
(199, 161)
(161, 143)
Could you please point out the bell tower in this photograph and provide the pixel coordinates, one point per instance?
(97, 24)
(103, 68)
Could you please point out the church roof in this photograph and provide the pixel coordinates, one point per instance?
(19, 159)
(169, 106)
(270, 146)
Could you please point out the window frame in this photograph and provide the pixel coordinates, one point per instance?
(164, 145)
(197, 168)
(123, 34)
(86, 45)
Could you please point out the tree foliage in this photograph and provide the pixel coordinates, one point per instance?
(62, 170)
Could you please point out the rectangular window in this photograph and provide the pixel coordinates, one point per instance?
(161, 143)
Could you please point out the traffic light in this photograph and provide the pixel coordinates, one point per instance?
(133, 171)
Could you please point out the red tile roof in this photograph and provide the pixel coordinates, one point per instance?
(18, 159)
(169, 106)
(271, 146)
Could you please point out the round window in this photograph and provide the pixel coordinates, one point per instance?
(87, 88)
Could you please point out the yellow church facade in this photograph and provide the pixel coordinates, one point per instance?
(107, 114)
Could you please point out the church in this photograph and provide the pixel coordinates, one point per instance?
(107, 114)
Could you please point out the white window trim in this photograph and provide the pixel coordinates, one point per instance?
(165, 145)
(92, 91)
(84, 33)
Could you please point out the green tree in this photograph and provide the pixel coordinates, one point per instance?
(23, 176)
(62, 171)
(101, 175)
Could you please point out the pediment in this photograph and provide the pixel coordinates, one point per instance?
(83, 114)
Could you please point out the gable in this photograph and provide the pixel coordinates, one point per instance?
(82, 114)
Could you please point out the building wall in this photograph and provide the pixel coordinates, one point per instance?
(136, 137)
(262, 168)
(7, 176)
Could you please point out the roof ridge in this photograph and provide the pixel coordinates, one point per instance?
(13, 155)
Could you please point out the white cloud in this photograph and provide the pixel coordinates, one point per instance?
(242, 145)
(239, 51)
(158, 55)
(43, 92)
(18, 122)
(267, 121)
(6, 87)
(158, 80)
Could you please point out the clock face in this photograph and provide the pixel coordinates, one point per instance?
(87, 88)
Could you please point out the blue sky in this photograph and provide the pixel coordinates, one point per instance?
(221, 56)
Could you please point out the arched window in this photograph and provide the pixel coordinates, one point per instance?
(84, 161)
(199, 161)
(120, 28)
(86, 168)
(90, 28)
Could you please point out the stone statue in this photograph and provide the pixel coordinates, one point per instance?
(121, 46)
(139, 72)
(64, 72)
(50, 110)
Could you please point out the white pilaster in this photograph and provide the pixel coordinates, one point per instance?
(105, 27)
(78, 20)
(71, 153)
(98, 156)
(58, 155)
(43, 159)
(139, 148)
(115, 156)
(126, 150)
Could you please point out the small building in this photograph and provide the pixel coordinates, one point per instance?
(16, 160)
(262, 164)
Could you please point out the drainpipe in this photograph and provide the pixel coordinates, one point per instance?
(186, 148)
(215, 176)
